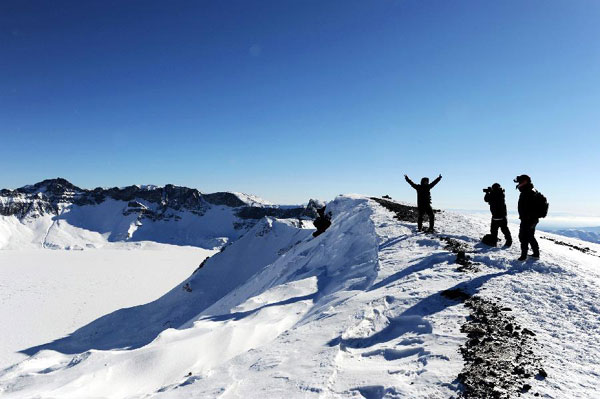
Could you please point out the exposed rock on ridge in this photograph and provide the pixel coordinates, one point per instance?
(46, 197)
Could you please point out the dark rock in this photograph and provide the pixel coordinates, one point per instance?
(527, 331)
(225, 199)
(402, 212)
(201, 265)
(44, 198)
(456, 294)
(585, 250)
(497, 363)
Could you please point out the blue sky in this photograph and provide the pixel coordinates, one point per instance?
(297, 99)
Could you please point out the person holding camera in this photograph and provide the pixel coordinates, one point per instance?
(424, 200)
(494, 196)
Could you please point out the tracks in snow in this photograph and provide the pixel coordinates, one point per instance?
(499, 358)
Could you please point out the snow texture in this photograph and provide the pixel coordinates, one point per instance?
(355, 313)
(92, 226)
(584, 234)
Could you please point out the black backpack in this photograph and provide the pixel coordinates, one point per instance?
(541, 205)
(489, 240)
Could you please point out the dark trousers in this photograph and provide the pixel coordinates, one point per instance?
(501, 224)
(422, 211)
(527, 236)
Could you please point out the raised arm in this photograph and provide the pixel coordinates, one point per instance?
(436, 181)
(410, 182)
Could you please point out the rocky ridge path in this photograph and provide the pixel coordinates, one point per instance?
(525, 319)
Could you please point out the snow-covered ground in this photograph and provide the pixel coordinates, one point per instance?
(591, 234)
(94, 226)
(47, 294)
(355, 312)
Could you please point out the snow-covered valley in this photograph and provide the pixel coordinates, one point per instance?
(46, 294)
(355, 312)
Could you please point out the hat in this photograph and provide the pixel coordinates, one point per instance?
(522, 179)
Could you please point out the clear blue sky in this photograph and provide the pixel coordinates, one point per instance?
(297, 99)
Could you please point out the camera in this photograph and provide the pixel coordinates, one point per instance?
(487, 190)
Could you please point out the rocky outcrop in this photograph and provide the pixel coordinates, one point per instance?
(499, 356)
(48, 196)
(225, 199)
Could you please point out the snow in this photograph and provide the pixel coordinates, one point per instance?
(93, 226)
(589, 234)
(355, 312)
(48, 294)
(252, 200)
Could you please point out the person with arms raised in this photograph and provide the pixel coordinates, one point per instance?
(424, 200)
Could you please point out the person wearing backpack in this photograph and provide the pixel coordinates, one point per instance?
(495, 197)
(532, 206)
(424, 200)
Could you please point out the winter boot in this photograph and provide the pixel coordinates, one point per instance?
(508, 243)
(535, 254)
(523, 257)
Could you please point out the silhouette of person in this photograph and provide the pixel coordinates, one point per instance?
(424, 200)
(322, 222)
(528, 216)
(495, 197)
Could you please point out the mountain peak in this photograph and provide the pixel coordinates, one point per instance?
(54, 186)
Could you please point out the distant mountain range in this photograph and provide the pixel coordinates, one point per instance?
(54, 213)
(591, 234)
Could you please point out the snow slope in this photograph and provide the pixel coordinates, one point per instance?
(591, 234)
(56, 214)
(47, 294)
(355, 312)
(93, 226)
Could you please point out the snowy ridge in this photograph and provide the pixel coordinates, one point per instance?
(58, 215)
(588, 234)
(252, 200)
(356, 312)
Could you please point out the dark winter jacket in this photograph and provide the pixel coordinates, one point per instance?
(423, 192)
(322, 222)
(527, 209)
(497, 203)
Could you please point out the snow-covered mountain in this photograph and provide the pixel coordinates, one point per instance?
(591, 234)
(369, 309)
(56, 214)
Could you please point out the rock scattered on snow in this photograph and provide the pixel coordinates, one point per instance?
(499, 354)
(403, 212)
(585, 250)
